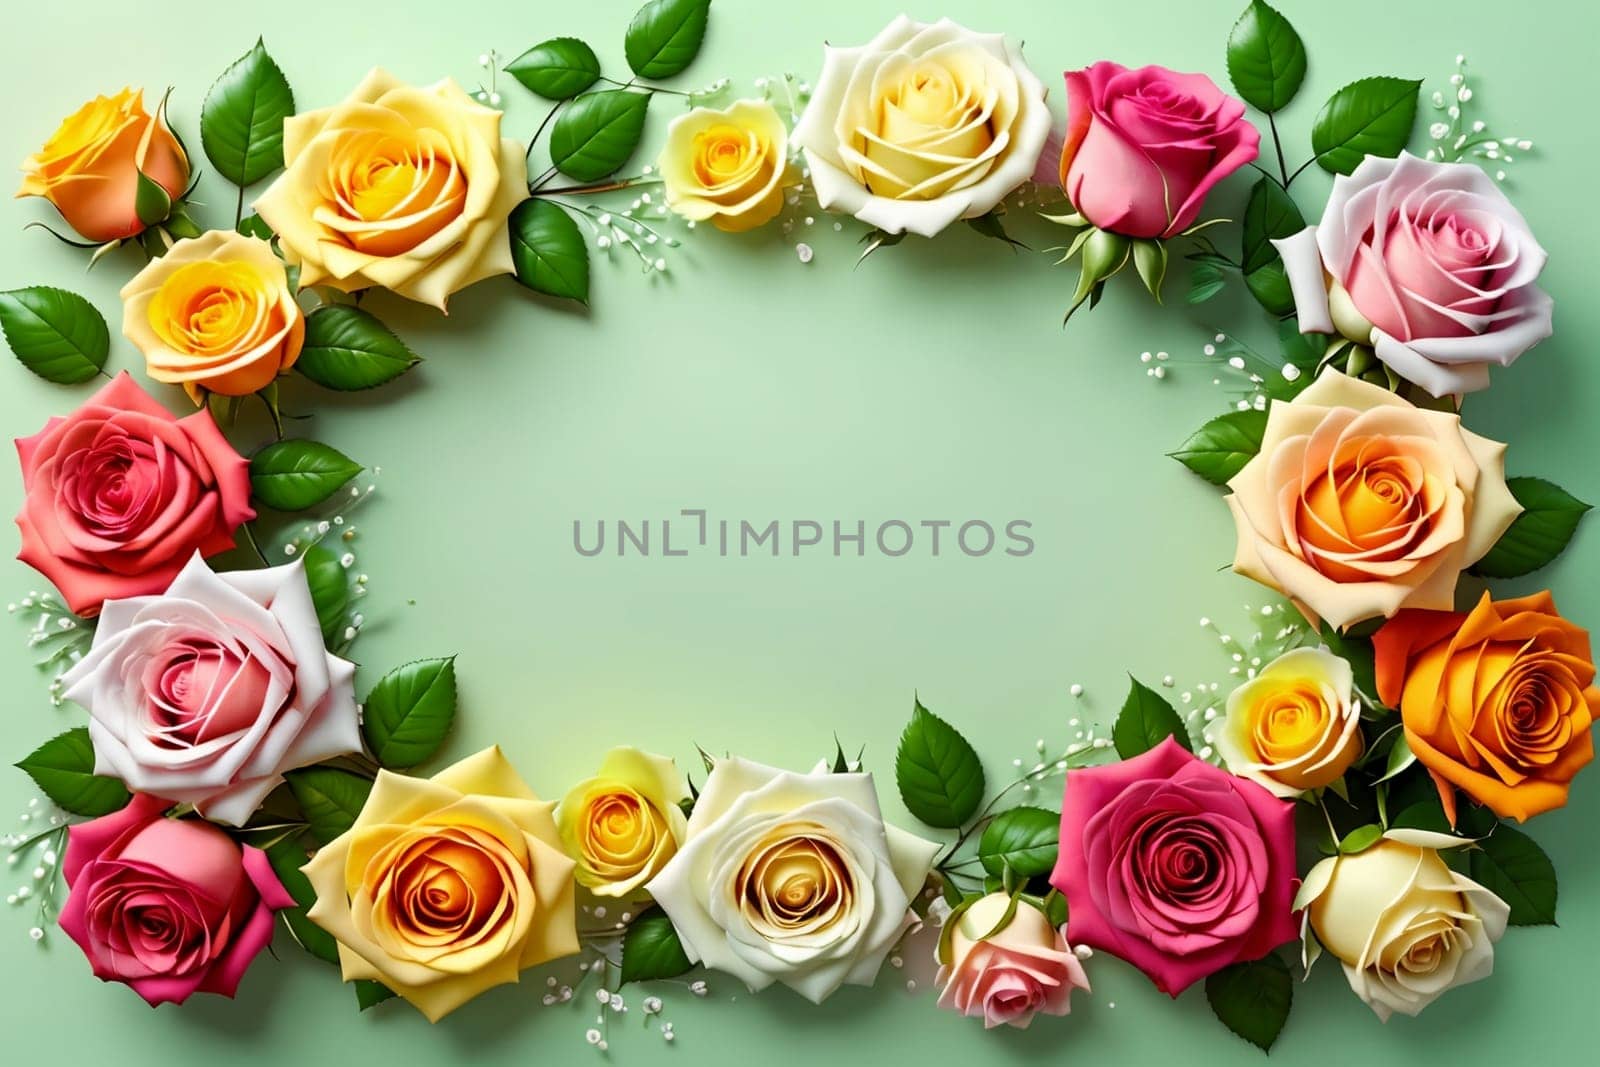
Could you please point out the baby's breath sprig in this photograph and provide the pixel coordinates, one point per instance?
(57, 637)
(1456, 137)
(38, 851)
(1275, 628)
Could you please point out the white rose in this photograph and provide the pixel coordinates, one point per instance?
(1406, 927)
(923, 125)
(208, 693)
(1294, 726)
(791, 878)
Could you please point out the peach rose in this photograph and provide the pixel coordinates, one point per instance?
(1497, 702)
(1360, 504)
(447, 886)
(1294, 726)
(1006, 971)
(89, 168)
(399, 187)
(215, 314)
(625, 823)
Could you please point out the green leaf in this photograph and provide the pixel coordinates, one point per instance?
(1146, 720)
(1356, 651)
(597, 133)
(1372, 116)
(1253, 999)
(287, 857)
(330, 799)
(1270, 286)
(1549, 518)
(347, 349)
(1220, 449)
(1511, 865)
(938, 772)
(557, 69)
(1266, 58)
(1360, 839)
(56, 334)
(1269, 214)
(651, 949)
(664, 37)
(409, 712)
(151, 201)
(329, 583)
(241, 121)
(295, 475)
(549, 251)
(253, 225)
(370, 993)
(1205, 282)
(63, 769)
(1150, 260)
(1023, 840)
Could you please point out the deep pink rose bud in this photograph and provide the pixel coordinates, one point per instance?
(1144, 147)
(1175, 865)
(171, 907)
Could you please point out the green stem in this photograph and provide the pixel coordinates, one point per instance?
(1298, 170)
(250, 535)
(1277, 143)
(238, 210)
(540, 131)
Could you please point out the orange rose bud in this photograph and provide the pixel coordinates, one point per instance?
(1496, 702)
(89, 169)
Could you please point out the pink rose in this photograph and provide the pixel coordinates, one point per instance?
(169, 906)
(1007, 976)
(1429, 264)
(1175, 865)
(121, 493)
(1144, 147)
(207, 694)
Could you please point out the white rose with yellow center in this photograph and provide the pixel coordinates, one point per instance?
(1294, 726)
(922, 126)
(791, 878)
(400, 187)
(1406, 927)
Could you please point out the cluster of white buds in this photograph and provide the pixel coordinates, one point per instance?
(1456, 137)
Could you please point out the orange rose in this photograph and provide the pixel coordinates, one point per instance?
(1360, 504)
(90, 166)
(1497, 702)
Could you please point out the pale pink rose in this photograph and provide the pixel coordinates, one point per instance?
(170, 907)
(1009, 975)
(1144, 147)
(208, 693)
(1429, 264)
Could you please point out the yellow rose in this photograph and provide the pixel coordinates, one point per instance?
(624, 824)
(923, 125)
(399, 187)
(214, 314)
(448, 886)
(1406, 927)
(1360, 504)
(89, 169)
(1294, 726)
(730, 167)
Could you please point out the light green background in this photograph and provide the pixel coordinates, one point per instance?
(933, 382)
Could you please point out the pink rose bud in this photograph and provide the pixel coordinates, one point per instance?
(1175, 865)
(1144, 148)
(171, 907)
(1010, 974)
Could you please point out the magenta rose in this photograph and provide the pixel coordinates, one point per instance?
(121, 493)
(171, 907)
(1144, 147)
(1175, 865)
(1429, 264)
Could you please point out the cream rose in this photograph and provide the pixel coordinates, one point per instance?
(1360, 504)
(215, 314)
(729, 167)
(923, 125)
(791, 878)
(399, 187)
(625, 823)
(1406, 927)
(1006, 971)
(1294, 726)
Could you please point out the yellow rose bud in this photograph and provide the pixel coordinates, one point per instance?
(730, 167)
(89, 168)
(1294, 726)
(625, 823)
(400, 187)
(447, 886)
(214, 314)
